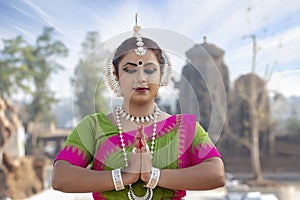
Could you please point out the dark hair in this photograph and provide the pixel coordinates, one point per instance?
(130, 44)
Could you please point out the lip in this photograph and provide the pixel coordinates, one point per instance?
(141, 89)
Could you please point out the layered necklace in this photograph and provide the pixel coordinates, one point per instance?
(120, 112)
(137, 120)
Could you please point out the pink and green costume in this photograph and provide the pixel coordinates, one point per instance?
(180, 142)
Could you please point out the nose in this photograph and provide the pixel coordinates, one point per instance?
(140, 77)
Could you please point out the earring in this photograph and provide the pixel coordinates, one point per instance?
(110, 77)
(167, 70)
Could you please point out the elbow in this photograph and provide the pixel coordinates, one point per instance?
(220, 177)
(220, 180)
(216, 181)
(58, 180)
(219, 174)
(57, 183)
(60, 184)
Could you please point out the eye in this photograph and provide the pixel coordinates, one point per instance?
(150, 69)
(130, 69)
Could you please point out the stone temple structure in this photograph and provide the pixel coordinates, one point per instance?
(204, 85)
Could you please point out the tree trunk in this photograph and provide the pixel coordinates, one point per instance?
(254, 118)
(255, 151)
(271, 141)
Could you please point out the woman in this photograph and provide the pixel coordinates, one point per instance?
(138, 151)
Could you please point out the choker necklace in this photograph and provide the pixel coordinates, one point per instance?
(144, 119)
(149, 193)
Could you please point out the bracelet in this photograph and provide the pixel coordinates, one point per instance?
(155, 174)
(117, 179)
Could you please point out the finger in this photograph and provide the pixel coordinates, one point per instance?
(140, 138)
(145, 149)
(146, 162)
(136, 146)
(134, 163)
(136, 150)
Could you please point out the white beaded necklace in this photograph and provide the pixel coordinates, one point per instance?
(119, 111)
(132, 118)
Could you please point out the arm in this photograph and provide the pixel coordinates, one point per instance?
(206, 172)
(207, 175)
(69, 171)
(70, 178)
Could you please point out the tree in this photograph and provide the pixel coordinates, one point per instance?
(252, 102)
(27, 68)
(89, 87)
(40, 58)
(14, 73)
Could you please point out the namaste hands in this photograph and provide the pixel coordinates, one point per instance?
(139, 161)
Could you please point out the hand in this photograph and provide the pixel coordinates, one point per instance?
(146, 165)
(146, 162)
(132, 171)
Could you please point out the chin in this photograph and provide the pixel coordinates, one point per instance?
(141, 99)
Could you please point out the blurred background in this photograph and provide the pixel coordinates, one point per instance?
(236, 65)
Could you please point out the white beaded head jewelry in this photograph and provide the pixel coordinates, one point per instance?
(110, 75)
(111, 78)
(140, 50)
(167, 70)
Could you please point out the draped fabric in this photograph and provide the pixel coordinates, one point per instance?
(180, 142)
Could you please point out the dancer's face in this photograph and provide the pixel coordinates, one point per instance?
(139, 77)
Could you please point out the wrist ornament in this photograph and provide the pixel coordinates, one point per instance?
(155, 174)
(117, 179)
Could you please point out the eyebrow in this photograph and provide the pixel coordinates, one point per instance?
(134, 64)
(149, 63)
(129, 63)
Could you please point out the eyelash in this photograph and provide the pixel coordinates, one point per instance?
(147, 71)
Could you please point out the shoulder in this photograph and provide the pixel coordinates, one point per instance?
(187, 118)
(95, 116)
(164, 116)
(94, 119)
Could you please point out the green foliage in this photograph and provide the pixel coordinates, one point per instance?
(14, 73)
(89, 86)
(28, 68)
(43, 63)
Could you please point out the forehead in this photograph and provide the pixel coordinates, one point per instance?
(150, 56)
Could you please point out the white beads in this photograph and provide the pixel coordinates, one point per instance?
(132, 118)
(121, 111)
(155, 177)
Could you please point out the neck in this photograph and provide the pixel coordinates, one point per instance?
(139, 110)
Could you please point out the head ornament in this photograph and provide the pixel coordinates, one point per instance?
(111, 78)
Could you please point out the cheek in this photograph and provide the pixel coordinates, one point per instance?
(125, 78)
(154, 87)
(154, 78)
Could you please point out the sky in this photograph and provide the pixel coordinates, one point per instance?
(226, 23)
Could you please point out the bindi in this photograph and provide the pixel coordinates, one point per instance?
(140, 62)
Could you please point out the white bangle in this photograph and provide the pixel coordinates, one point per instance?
(155, 174)
(117, 179)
